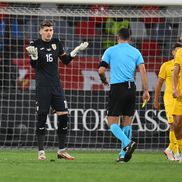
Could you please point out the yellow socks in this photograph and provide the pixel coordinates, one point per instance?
(180, 145)
(173, 145)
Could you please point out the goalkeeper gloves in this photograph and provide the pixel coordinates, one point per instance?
(79, 48)
(32, 52)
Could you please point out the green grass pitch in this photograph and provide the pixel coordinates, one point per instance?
(23, 166)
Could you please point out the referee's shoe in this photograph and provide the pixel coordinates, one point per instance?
(123, 159)
(129, 150)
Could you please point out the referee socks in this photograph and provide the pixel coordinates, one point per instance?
(128, 132)
(119, 134)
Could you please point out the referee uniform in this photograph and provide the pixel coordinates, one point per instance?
(123, 60)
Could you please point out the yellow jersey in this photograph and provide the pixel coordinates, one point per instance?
(178, 60)
(165, 73)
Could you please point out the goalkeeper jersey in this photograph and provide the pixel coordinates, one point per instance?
(178, 60)
(165, 73)
(46, 67)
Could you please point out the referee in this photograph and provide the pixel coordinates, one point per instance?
(44, 54)
(123, 60)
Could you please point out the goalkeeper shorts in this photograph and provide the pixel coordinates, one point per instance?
(47, 97)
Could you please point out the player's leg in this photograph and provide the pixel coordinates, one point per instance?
(128, 112)
(177, 123)
(171, 151)
(178, 132)
(62, 129)
(40, 134)
(60, 106)
(127, 129)
(115, 108)
(43, 101)
(62, 133)
(173, 141)
(117, 131)
(127, 145)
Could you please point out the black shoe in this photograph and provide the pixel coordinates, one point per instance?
(123, 160)
(129, 150)
(127, 158)
(120, 160)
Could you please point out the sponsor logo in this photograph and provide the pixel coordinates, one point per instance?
(81, 122)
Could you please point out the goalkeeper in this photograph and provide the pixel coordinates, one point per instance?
(165, 75)
(44, 54)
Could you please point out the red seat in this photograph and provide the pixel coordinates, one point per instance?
(153, 64)
(150, 48)
(3, 5)
(86, 28)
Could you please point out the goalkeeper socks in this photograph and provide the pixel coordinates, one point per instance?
(62, 130)
(40, 142)
(128, 132)
(173, 145)
(61, 140)
(119, 134)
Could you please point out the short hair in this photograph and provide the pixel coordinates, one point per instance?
(46, 23)
(177, 44)
(124, 34)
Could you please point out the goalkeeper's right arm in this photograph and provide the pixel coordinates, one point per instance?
(33, 53)
(32, 50)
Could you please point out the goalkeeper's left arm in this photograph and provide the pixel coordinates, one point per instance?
(66, 59)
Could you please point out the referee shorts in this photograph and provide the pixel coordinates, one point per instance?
(122, 98)
(47, 97)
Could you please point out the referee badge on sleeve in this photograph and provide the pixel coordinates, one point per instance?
(54, 46)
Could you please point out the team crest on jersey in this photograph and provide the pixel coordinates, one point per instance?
(54, 46)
